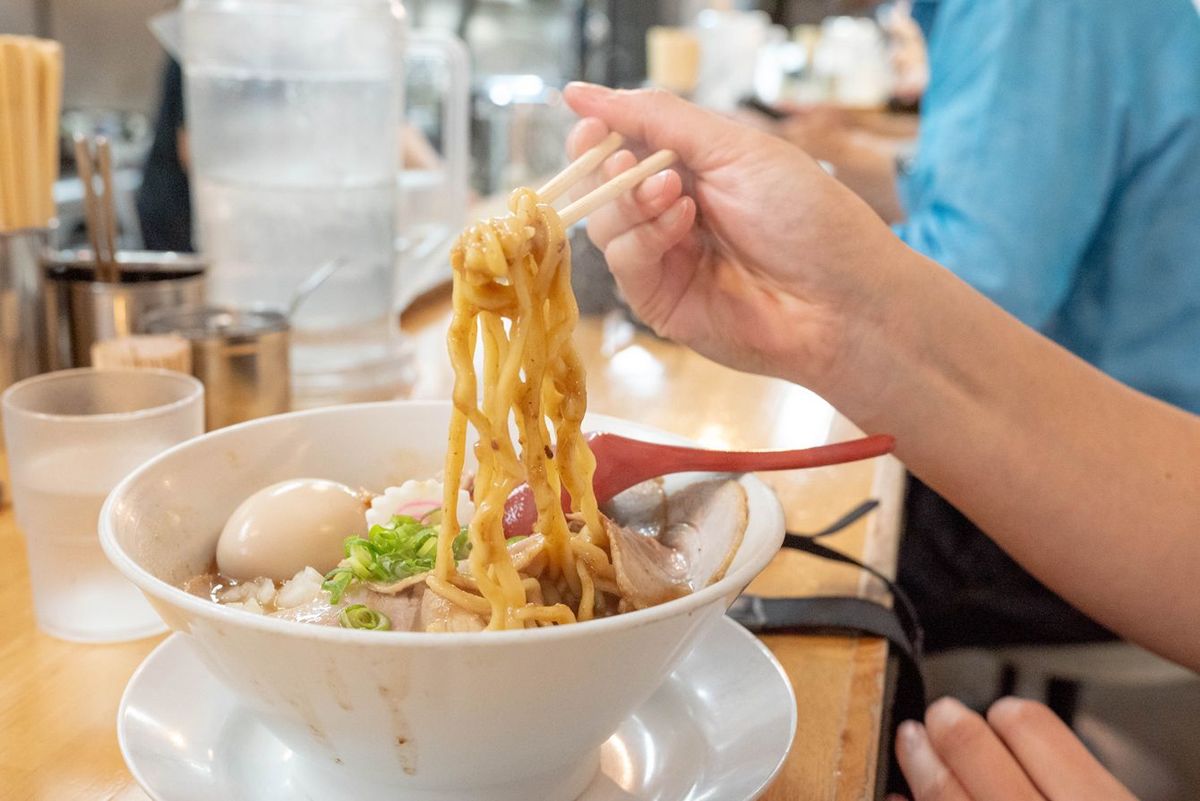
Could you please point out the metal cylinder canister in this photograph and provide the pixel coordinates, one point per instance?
(80, 311)
(241, 356)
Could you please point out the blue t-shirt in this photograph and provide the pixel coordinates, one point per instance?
(1058, 172)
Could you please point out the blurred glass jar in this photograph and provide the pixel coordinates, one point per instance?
(729, 45)
(673, 59)
(295, 133)
(853, 59)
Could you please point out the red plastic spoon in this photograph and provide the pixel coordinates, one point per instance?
(622, 462)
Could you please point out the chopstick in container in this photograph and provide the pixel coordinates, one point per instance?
(11, 148)
(104, 156)
(99, 234)
(91, 208)
(27, 115)
(50, 61)
(29, 137)
(30, 104)
(99, 210)
(6, 222)
(8, 186)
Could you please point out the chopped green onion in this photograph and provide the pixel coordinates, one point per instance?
(358, 616)
(428, 547)
(462, 545)
(336, 583)
(403, 547)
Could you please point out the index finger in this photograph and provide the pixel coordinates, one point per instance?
(700, 137)
(586, 133)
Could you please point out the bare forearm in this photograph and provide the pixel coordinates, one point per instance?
(1093, 487)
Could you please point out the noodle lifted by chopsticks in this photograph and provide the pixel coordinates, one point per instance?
(512, 291)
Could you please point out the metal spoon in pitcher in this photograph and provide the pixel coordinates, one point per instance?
(312, 283)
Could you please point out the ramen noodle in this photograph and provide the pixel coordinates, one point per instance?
(512, 297)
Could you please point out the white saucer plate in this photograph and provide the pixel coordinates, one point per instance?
(719, 728)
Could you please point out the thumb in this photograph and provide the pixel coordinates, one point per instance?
(703, 139)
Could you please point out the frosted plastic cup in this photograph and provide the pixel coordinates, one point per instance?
(72, 436)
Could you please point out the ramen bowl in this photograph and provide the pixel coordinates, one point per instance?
(426, 717)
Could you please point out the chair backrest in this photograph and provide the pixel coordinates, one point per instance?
(1099, 663)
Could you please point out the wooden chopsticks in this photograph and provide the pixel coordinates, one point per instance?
(104, 156)
(91, 211)
(580, 168)
(30, 104)
(50, 90)
(586, 164)
(99, 210)
(617, 186)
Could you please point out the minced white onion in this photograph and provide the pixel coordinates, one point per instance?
(251, 605)
(300, 589)
(261, 590)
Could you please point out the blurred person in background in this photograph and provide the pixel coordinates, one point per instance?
(1057, 171)
(908, 52)
(163, 203)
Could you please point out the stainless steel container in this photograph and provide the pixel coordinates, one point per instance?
(22, 333)
(240, 356)
(79, 310)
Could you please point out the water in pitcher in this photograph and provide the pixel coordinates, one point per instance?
(79, 595)
(293, 170)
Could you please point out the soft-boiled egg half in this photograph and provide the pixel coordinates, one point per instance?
(283, 528)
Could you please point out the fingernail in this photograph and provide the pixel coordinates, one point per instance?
(945, 711)
(911, 734)
(583, 87)
(1009, 710)
(675, 213)
(655, 183)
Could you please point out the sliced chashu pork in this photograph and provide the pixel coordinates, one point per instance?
(402, 610)
(706, 522)
(641, 508)
(439, 614)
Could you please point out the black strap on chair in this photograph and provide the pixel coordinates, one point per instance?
(897, 624)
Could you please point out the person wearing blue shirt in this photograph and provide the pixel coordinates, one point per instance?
(1057, 170)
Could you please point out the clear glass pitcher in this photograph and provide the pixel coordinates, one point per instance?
(296, 141)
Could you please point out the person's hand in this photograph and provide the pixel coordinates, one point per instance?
(1021, 752)
(747, 251)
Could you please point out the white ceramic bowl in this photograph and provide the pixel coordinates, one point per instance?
(428, 717)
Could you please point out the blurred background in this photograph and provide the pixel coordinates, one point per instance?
(522, 51)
